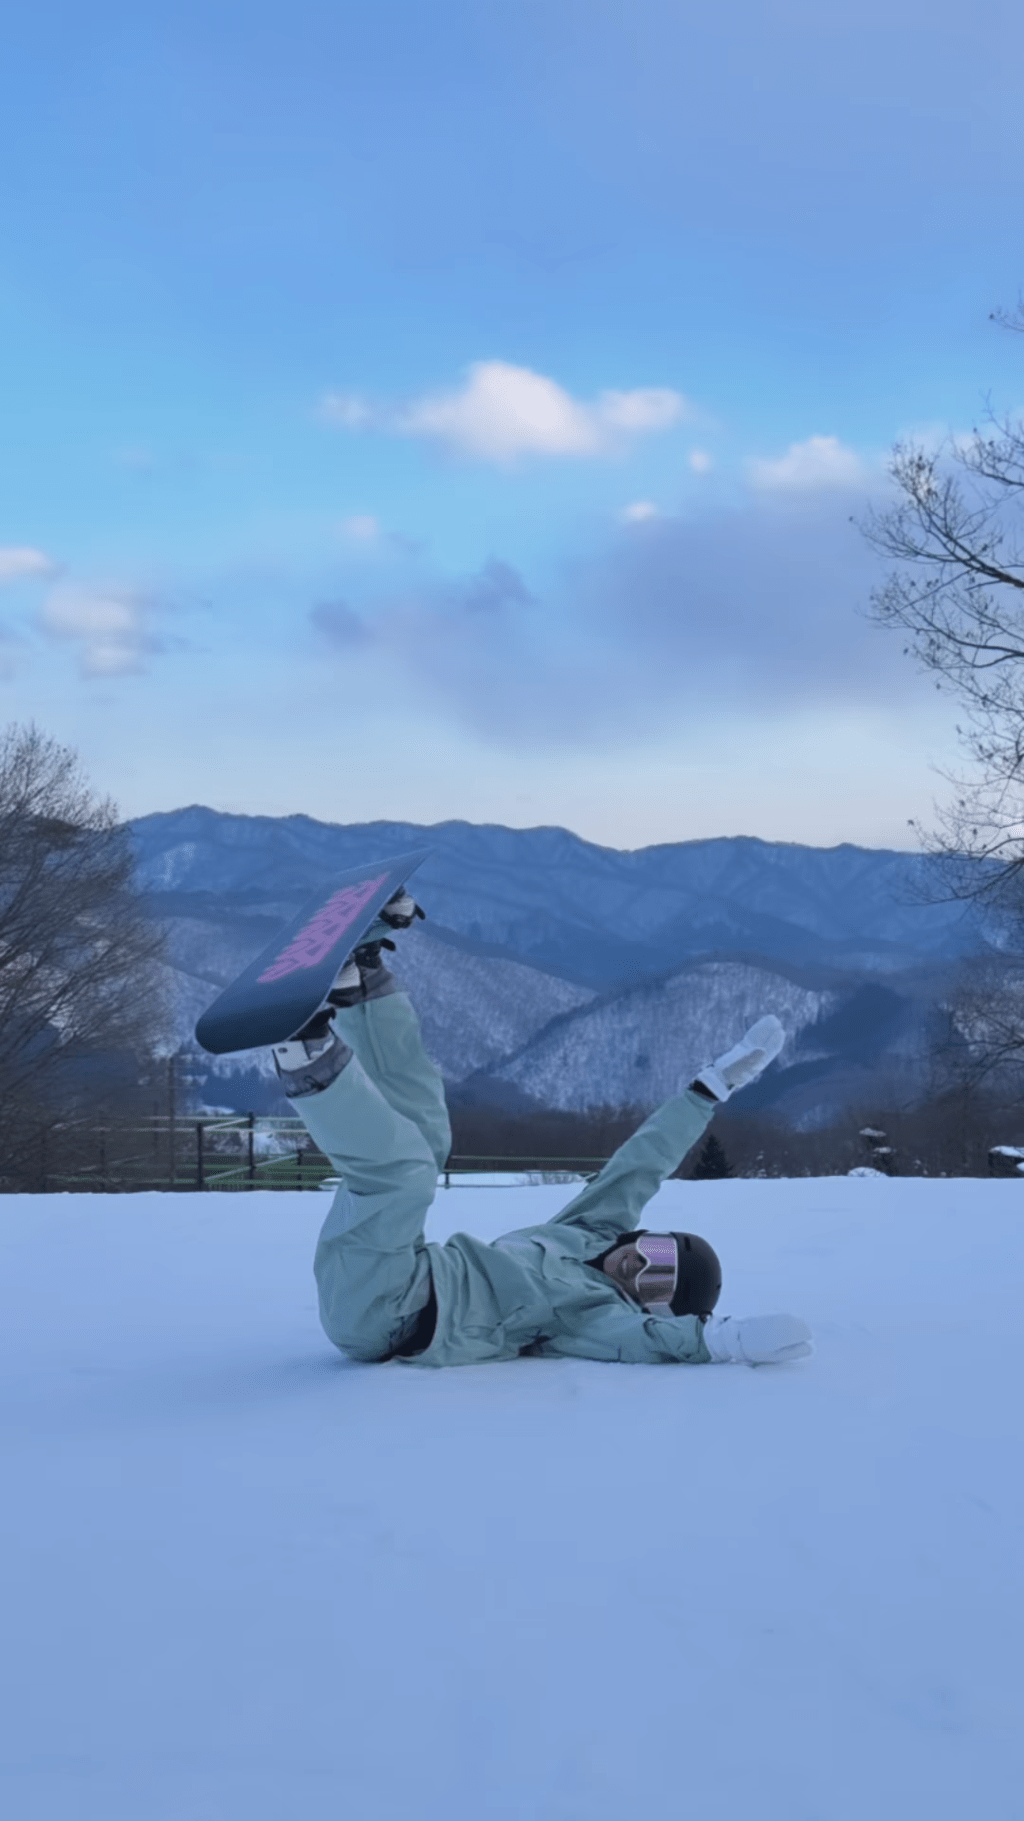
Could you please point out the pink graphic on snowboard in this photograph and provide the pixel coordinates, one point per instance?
(320, 934)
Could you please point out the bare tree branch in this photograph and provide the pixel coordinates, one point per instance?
(955, 536)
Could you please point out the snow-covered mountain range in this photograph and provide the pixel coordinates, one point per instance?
(579, 975)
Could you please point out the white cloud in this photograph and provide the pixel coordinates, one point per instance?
(348, 410)
(640, 512)
(361, 528)
(503, 412)
(700, 461)
(112, 628)
(641, 411)
(820, 462)
(18, 561)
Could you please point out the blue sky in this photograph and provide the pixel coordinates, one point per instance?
(459, 410)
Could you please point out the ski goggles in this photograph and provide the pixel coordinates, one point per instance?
(656, 1282)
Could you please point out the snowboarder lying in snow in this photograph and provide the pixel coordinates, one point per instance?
(584, 1284)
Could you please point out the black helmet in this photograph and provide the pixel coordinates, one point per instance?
(699, 1280)
(698, 1273)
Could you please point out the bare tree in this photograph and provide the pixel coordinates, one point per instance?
(983, 1049)
(78, 958)
(956, 534)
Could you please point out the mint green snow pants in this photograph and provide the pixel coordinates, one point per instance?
(384, 1125)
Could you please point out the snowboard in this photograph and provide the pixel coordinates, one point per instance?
(279, 991)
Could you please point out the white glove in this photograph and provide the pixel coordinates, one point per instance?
(745, 1061)
(757, 1340)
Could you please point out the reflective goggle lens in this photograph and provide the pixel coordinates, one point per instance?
(657, 1281)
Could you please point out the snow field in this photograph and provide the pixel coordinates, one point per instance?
(242, 1577)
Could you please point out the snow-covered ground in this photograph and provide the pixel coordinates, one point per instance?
(245, 1580)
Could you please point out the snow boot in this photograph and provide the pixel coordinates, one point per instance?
(308, 1063)
(364, 976)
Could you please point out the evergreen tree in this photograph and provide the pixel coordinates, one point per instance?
(712, 1162)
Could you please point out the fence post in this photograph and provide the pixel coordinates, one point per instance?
(252, 1150)
(172, 1162)
(200, 1175)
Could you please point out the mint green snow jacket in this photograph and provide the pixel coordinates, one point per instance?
(533, 1291)
(383, 1123)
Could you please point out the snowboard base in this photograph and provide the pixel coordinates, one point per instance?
(279, 992)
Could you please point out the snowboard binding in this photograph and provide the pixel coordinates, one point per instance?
(355, 981)
(400, 912)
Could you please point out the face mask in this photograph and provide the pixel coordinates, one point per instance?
(656, 1282)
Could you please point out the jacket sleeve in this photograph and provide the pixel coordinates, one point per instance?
(614, 1201)
(616, 1332)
